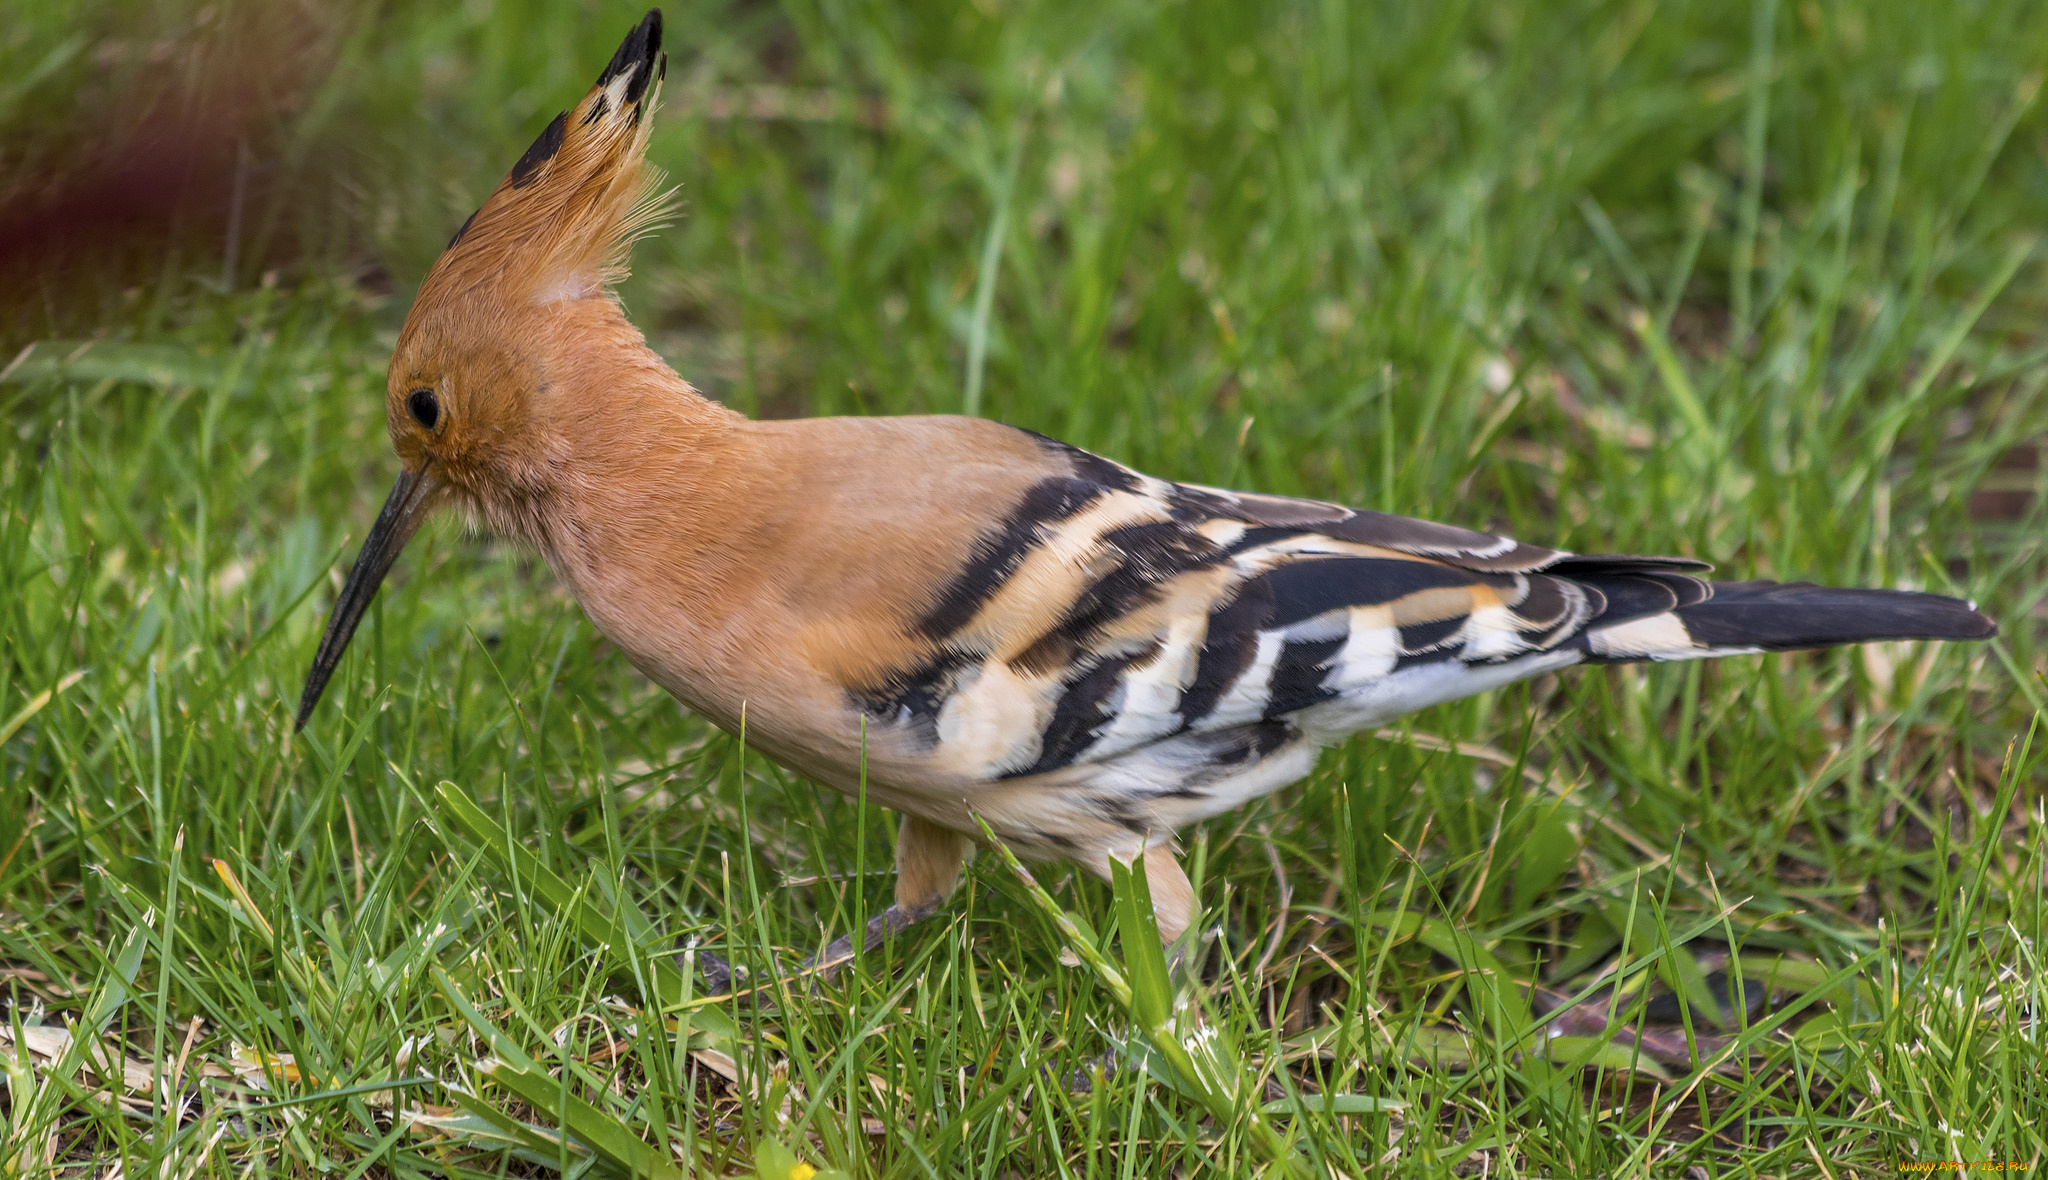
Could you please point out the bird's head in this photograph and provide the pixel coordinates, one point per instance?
(502, 314)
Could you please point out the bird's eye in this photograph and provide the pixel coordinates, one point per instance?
(425, 407)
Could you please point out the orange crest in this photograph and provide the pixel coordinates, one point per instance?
(562, 222)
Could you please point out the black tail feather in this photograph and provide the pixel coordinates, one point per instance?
(1726, 618)
(1787, 616)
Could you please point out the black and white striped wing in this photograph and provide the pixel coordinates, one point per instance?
(1110, 610)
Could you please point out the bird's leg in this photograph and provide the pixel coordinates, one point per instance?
(928, 861)
(1173, 899)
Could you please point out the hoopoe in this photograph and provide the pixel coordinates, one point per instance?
(987, 625)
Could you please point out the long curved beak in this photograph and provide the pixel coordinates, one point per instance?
(409, 503)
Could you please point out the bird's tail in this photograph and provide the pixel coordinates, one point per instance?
(1738, 617)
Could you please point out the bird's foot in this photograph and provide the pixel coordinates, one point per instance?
(718, 973)
(880, 929)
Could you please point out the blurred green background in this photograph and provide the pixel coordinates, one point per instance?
(1757, 283)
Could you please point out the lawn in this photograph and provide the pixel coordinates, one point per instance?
(1753, 283)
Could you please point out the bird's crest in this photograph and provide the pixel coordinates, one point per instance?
(563, 221)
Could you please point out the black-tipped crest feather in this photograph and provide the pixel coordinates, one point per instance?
(462, 229)
(541, 152)
(641, 47)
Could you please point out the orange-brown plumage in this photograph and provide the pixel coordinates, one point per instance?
(980, 624)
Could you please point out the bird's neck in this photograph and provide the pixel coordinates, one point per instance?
(648, 482)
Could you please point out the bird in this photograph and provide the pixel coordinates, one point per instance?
(989, 631)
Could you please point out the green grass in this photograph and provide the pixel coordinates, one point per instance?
(1756, 284)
